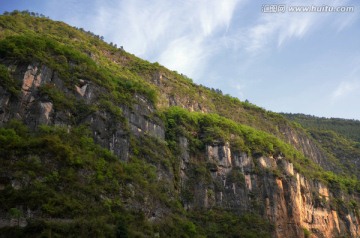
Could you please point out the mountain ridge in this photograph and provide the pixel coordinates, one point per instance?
(183, 154)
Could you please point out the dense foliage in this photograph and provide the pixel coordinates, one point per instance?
(62, 173)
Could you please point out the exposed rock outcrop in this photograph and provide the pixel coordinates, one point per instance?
(269, 186)
(36, 108)
(292, 202)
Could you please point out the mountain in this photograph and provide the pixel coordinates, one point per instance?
(339, 137)
(96, 142)
(349, 129)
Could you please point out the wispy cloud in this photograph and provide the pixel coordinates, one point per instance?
(351, 86)
(274, 29)
(240, 90)
(185, 55)
(345, 88)
(137, 25)
(178, 34)
(184, 35)
(214, 14)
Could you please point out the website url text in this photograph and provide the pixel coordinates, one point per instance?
(282, 8)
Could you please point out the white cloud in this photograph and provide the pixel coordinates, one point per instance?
(259, 36)
(345, 88)
(214, 14)
(274, 29)
(295, 27)
(185, 55)
(137, 25)
(240, 91)
(178, 34)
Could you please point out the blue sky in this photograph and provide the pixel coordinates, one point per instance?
(306, 62)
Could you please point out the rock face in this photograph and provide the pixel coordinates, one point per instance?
(35, 108)
(197, 101)
(231, 180)
(169, 98)
(307, 147)
(292, 202)
(220, 155)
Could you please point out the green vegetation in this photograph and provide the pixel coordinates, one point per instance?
(307, 233)
(338, 137)
(207, 128)
(78, 56)
(7, 82)
(349, 129)
(65, 175)
(202, 129)
(76, 188)
(346, 151)
(71, 64)
(219, 223)
(123, 74)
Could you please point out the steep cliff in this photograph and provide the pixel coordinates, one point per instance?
(226, 175)
(95, 141)
(339, 137)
